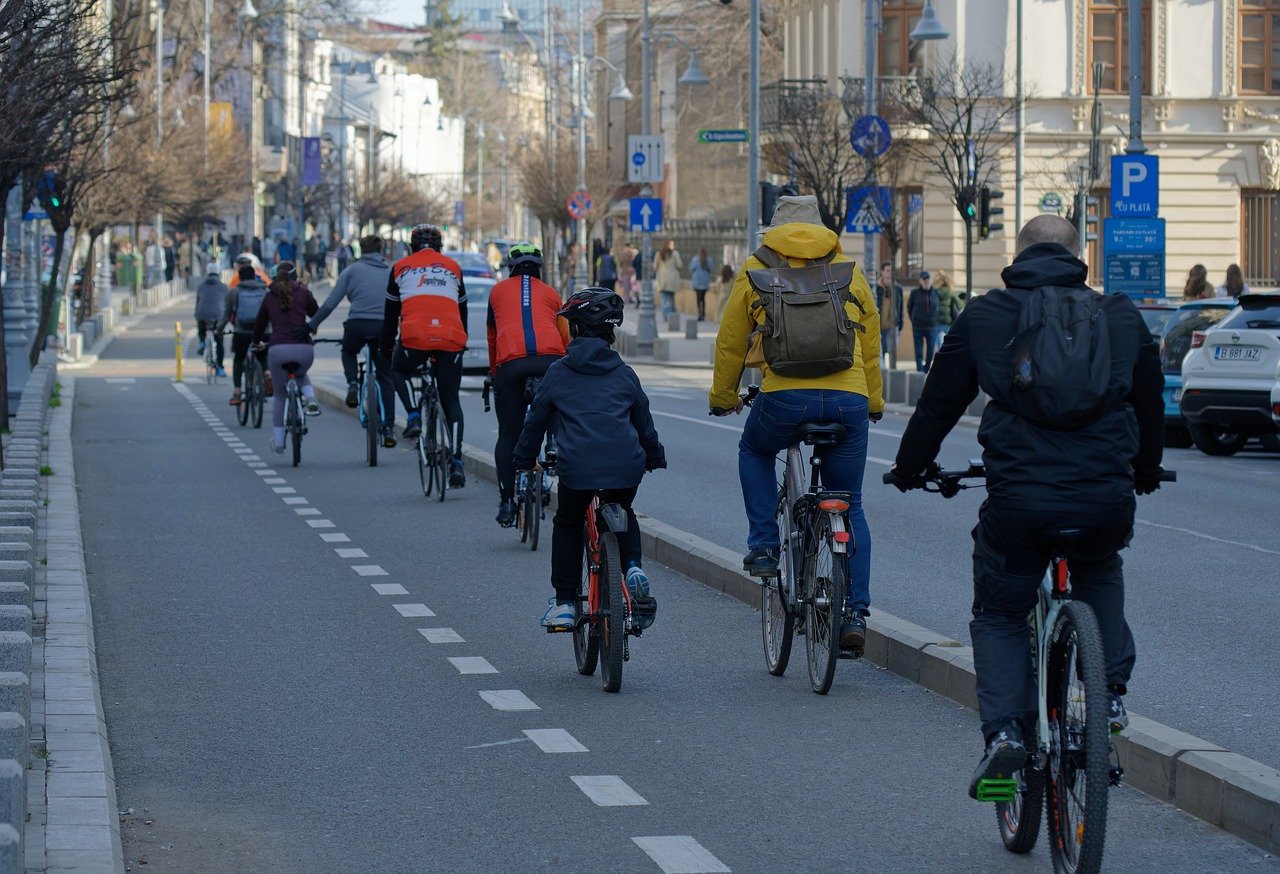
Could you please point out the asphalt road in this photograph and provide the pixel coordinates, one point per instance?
(270, 709)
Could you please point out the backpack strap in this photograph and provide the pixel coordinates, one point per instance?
(770, 258)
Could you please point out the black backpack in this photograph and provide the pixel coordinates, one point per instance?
(1061, 361)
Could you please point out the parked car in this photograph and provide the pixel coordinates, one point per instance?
(472, 264)
(1192, 316)
(1157, 316)
(1275, 401)
(476, 356)
(1228, 377)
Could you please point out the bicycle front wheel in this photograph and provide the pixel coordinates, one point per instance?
(613, 607)
(371, 421)
(586, 642)
(827, 575)
(777, 616)
(1080, 750)
(533, 509)
(444, 452)
(426, 469)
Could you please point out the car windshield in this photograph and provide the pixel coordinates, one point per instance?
(1184, 322)
(1157, 319)
(1261, 313)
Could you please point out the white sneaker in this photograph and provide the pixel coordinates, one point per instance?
(313, 408)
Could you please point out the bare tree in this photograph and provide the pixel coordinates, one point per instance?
(813, 148)
(398, 199)
(967, 113)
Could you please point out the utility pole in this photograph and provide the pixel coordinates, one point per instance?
(582, 268)
(1020, 123)
(1135, 146)
(753, 129)
(647, 324)
(159, 110)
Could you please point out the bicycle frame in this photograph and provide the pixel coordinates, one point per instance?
(1055, 590)
(367, 369)
(795, 537)
(594, 559)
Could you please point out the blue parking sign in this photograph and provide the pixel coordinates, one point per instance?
(1135, 186)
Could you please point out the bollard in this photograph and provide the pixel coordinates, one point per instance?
(691, 330)
(177, 348)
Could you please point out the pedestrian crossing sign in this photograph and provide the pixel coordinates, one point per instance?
(868, 209)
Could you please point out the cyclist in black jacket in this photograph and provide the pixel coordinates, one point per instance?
(1040, 478)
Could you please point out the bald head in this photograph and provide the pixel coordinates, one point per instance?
(1049, 229)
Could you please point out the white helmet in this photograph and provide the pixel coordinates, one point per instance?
(213, 268)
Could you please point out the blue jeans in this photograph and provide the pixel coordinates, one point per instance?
(938, 333)
(668, 299)
(770, 426)
(924, 348)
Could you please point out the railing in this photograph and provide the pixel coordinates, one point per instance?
(897, 97)
(791, 101)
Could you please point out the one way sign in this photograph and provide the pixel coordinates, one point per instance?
(646, 214)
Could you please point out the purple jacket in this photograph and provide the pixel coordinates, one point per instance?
(287, 326)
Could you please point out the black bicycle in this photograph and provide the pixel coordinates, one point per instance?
(532, 488)
(253, 391)
(435, 446)
(1070, 768)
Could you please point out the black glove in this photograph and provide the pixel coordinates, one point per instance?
(905, 482)
(875, 417)
(658, 463)
(1147, 481)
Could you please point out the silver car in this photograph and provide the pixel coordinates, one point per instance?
(476, 356)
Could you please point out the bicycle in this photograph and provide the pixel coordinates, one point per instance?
(807, 593)
(295, 410)
(252, 392)
(532, 488)
(1069, 767)
(368, 397)
(435, 449)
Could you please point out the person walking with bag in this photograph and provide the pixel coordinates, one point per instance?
(700, 279)
(668, 267)
(922, 307)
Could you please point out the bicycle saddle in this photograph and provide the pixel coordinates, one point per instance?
(291, 366)
(812, 434)
(1062, 539)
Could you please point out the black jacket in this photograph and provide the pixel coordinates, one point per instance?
(922, 306)
(600, 416)
(1028, 465)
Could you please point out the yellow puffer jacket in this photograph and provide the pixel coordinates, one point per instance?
(799, 242)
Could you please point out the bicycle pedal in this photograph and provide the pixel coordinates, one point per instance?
(559, 630)
(850, 653)
(996, 789)
(1115, 776)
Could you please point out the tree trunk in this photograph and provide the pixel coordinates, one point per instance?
(89, 284)
(47, 295)
(4, 361)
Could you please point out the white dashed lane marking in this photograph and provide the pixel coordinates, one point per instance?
(472, 665)
(508, 699)
(320, 523)
(266, 472)
(274, 480)
(351, 552)
(259, 464)
(284, 490)
(554, 740)
(609, 790)
(680, 854)
(294, 501)
(307, 511)
(389, 589)
(369, 570)
(413, 611)
(335, 538)
(441, 635)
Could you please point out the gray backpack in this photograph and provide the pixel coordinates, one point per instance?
(806, 331)
(248, 302)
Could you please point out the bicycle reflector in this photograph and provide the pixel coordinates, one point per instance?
(841, 536)
(834, 505)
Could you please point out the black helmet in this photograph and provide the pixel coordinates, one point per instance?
(426, 237)
(524, 253)
(593, 308)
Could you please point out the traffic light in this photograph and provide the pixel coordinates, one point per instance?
(968, 204)
(1086, 205)
(769, 194)
(47, 189)
(988, 210)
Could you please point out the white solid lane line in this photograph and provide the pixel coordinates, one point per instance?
(554, 740)
(508, 699)
(1209, 537)
(413, 611)
(369, 570)
(472, 665)
(389, 589)
(609, 790)
(335, 538)
(440, 635)
(350, 552)
(680, 854)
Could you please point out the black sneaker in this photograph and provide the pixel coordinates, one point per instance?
(389, 436)
(853, 635)
(1006, 755)
(413, 427)
(457, 477)
(506, 514)
(761, 562)
(353, 400)
(1117, 716)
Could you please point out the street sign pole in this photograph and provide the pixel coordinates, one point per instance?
(647, 323)
(870, 241)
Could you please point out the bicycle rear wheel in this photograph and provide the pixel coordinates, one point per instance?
(259, 395)
(444, 452)
(246, 397)
(522, 506)
(586, 641)
(533, 509)
(777, 617)
(827, 572)
(1079, 753)
(613, 607)
(372, 421)
(294, 425)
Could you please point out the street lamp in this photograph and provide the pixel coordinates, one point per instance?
(620, 91)
(929, 27)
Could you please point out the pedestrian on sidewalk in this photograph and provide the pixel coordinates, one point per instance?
(637, 269)
(170, 259)
(153, 260)
(889, 304)
(950, 302)
(922, 307)
(1235, 284)
(700, 278)
(628, 287)
(285, 310)
(1197, 286)
(722, 286)
(211, 296)
(607, 270)
(668, 268)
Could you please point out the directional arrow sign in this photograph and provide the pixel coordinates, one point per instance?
(870, 136)
(646, 214)
(723, 136)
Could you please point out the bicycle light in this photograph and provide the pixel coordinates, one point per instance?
(834, 505)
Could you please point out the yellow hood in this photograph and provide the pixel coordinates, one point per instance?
(801, 240)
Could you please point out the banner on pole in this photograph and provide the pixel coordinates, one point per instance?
(311, 172)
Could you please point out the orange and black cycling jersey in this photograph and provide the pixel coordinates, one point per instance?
(522, 321)
(262, 274)
(426, 300)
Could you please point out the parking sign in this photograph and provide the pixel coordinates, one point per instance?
(1135, 186)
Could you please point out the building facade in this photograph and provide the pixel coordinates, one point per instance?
(1211, 113)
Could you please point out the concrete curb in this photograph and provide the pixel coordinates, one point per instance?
(150, 301)
(1222, 788)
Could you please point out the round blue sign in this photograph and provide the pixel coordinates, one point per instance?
(637, 158)
(870, 136)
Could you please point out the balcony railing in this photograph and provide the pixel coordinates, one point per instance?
(897, 97)
(791, 101)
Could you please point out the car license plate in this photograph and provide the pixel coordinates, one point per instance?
(1237, 353)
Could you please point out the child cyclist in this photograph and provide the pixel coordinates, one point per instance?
(606, 444)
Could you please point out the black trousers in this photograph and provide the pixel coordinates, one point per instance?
(239, 348)
(510, 405)
(356, 335)
(448, 369)
(701, 295)
(567, 535)
(1010, 557)
(206, 326)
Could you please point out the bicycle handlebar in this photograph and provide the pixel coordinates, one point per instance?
(746, 397)
(949, 483)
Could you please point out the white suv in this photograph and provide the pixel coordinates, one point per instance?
(1228, 377)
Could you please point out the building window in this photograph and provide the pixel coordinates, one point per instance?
(1260, 237)
(899, 56)
(1109, 44)
(1260, 46)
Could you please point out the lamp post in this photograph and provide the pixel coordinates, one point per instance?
(159, 107)
(620, 92)
(753, 127)
(479, 182)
